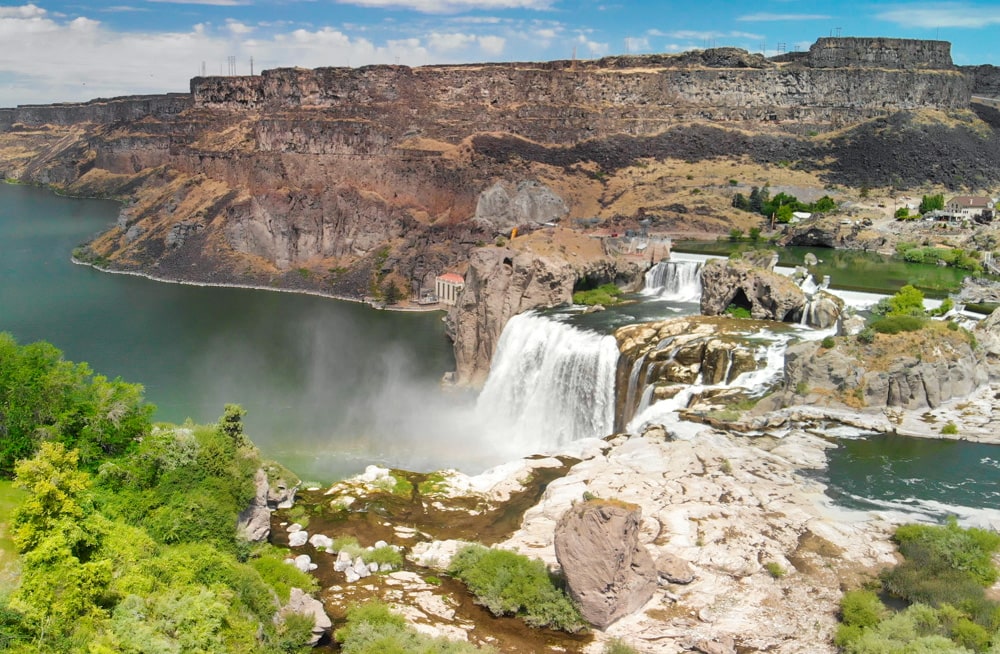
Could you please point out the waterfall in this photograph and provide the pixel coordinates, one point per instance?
(549, 384)
(677, 281)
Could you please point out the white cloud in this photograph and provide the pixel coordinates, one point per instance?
(236, 27)
(25, 11)
(767, 17)
(492, 45)
(636, 44)
(446, 42)
(451, 6)
(214, 3)
(945, 14)
(593, 47)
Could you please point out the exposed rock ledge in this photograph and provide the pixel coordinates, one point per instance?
(536, 271)
(726, 506)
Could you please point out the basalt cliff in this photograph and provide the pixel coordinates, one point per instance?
(347, 180)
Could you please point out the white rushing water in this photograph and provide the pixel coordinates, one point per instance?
(549, 384)
(676, 281)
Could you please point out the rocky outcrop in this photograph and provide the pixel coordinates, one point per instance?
(608, 572)
(274, 490)
(302, 603)
(502, 282)
(906, 371)
(672, 354)
(979, 290)
(765, 293)
(530, 204)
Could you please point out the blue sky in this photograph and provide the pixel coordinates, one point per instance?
(70, 50)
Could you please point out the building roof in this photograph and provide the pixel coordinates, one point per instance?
(970, 201)
(453, 278)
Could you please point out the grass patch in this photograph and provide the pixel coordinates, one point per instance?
(605, 294)
(898, 324)
(10, 498)
(949, 429)
(507, 583)
(775, 569)
(383, 555)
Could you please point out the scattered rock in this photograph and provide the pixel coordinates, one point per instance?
(674, 569)
(298, 538)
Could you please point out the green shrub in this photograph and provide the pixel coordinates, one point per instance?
(861, 608)
(967, 550)
(372, 628)
(949, 429)
(512, 584)
(382, 555)
(866, 335)
(898, 323)
(269, 562)
(829, 343)
(775, 569)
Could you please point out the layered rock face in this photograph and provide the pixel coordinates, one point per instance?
(502, 282)
(609, 573)
(672, 354)
(924, 374)
(880, 53)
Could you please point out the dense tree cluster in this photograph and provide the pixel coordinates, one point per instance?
(127, 532)
(782, 206)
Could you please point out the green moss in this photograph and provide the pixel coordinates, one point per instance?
(775, 569)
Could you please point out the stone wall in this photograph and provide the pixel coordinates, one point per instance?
(905, 54)
(127, 108)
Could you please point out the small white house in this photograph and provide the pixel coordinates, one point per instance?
(448, 287)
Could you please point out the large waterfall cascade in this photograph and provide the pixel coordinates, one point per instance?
(550, 383)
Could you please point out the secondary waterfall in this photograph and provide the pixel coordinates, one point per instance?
(678, 281)
(549, 384)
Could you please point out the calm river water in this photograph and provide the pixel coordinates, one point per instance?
(329, 386)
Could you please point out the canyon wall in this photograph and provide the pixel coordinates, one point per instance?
(101, 110)
(896, 54)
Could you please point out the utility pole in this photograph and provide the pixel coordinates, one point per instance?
(251, 66)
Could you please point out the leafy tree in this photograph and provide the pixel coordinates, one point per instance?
(931, 203)
(57, 492)
(391, 292)
(755, 234)
(758, 198)
(902, 213)
(741, 202)
(825, 203)
(45, 397)
(735, 234)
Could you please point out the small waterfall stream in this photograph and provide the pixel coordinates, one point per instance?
(549, 384)
(677, 281)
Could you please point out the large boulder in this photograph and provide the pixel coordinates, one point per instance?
(610, 574)
(302, 603)
(767, 294)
